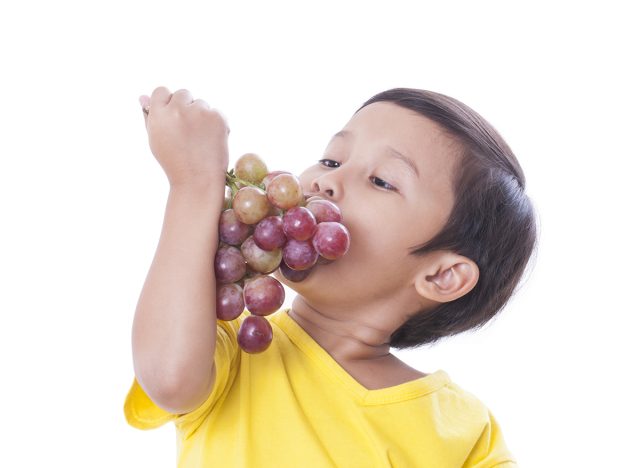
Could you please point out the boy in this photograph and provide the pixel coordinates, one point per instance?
(410, 166)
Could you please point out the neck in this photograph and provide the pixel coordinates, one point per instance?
(346, 338)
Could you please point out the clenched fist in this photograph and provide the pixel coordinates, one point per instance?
(187, 137)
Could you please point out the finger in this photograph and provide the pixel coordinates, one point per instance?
(182, 97)
(160, 97)
(200, 103)
(144, 103)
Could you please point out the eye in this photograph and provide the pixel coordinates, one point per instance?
(376, 180)
(321, 161)
(381, 183)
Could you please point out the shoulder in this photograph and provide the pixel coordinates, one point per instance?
(467, 410)
(462, 404)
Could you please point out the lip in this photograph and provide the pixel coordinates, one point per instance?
(315, 197)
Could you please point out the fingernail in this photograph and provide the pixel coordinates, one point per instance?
(144, 100)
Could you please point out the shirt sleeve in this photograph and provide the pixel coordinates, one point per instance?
(142, 413)
(490, 449)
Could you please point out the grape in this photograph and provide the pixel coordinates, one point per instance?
(269, 233)
(255, 334)
(251, 168)
(263, 261)
(232, 231)
(269, 177)
(274, 211)
(299, 223)
(263, 295)
(250, 274)
(251, 205)
(294, 275)
(299, 255)
(324, 211)
(285, 191)
(268, 225)
(331, 240)
(229, 301)
(229, 264)
(227, 198)
(324, 261)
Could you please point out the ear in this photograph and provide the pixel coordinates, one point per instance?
(447, 278)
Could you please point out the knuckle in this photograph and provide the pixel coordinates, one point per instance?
(160, 89)
(218, 118)
(200, 102)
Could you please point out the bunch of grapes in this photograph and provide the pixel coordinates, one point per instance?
(268, 223)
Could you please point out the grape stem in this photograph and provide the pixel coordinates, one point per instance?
(232, 181)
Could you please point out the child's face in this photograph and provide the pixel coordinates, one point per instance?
(385, 221)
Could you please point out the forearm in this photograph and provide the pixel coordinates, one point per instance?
(174, 327)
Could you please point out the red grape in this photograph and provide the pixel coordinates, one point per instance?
(270, 176)
(324, 261)
(331, 240)
(294, 275)
(324, 210)
(299, 255)
(263, 295)
(229, 301)
(269, 233)
(255, 334)
(285, 191)
(229, 264)
(263, 261)
(251, 168)
(269, 226)
(299, 223)
(251, 205)
(232, 231)
(227, 198)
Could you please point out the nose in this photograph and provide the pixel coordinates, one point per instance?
(327, 186)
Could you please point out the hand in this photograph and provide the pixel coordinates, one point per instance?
(187, 137)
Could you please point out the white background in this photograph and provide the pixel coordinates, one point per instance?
(82, 198)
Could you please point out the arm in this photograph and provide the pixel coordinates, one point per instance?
(174, 328)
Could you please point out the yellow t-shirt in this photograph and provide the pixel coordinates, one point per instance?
(294, 406)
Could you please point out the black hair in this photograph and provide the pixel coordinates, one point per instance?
(492, 222)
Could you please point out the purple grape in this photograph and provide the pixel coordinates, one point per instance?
(255, 334)
(294, 275)
(263, 295)
(231, 230)
(324, 211)
(229, 264)
(331, 240)
(299, 255)
(263, 261)
(229, 301)
(269, 233)
(299, 223)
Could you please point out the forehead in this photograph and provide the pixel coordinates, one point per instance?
(426, 143)
(389, 121)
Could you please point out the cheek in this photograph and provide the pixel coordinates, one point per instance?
(306, 178)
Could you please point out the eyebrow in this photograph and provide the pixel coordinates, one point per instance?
(394, 153)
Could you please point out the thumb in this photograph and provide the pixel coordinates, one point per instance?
(144, 103)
